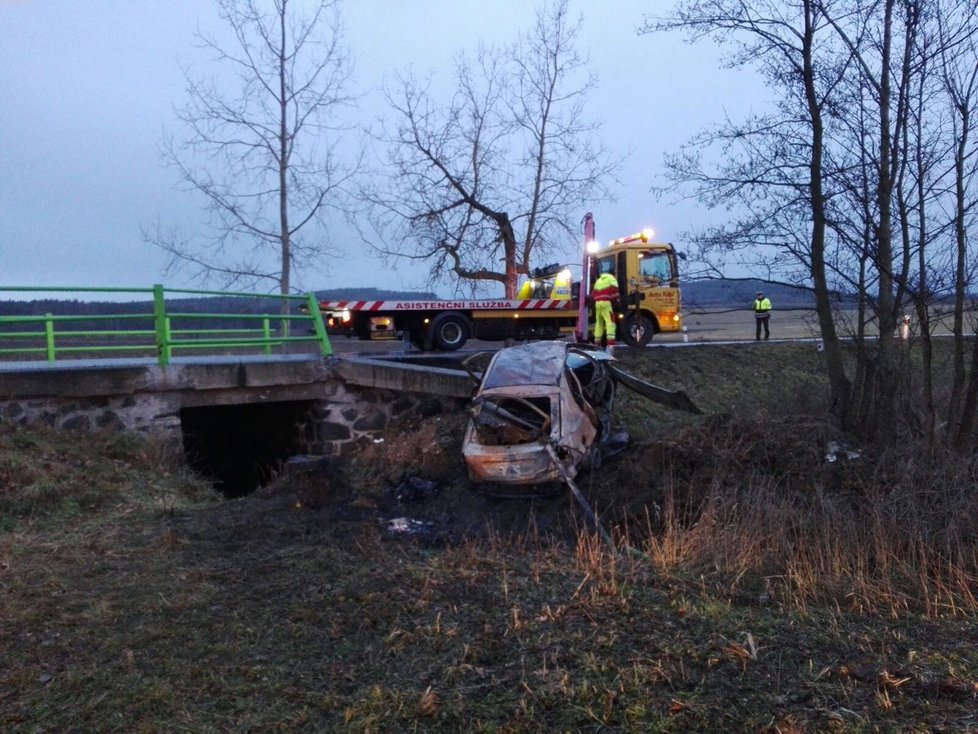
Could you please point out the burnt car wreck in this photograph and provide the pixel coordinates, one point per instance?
(543, 411)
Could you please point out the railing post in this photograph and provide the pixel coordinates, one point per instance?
(162, 326)
(266, 331)
(49, 335)
(317, 324)
(168, 330)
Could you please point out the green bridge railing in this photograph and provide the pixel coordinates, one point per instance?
(150, 325)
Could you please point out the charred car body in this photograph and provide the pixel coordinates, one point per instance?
(532, 395)
(546, 399)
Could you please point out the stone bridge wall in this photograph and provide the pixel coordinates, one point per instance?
(146, 413)
(350, 417)
(349, 402)
(343, 419)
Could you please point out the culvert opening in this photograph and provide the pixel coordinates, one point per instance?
(240, 448)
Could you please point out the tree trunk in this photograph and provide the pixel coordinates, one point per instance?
(887, 372)
(285, 284)
(840, 386)
(509, 254)
(960, 275)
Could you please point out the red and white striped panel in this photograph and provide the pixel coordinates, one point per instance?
(536, 304)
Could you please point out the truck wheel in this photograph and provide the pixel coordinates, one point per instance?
(638, 330)
(449, 332)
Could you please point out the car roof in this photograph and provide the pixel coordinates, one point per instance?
(535, 363)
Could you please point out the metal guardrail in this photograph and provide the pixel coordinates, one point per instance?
(157, 328)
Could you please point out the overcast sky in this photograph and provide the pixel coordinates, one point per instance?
(88, 86)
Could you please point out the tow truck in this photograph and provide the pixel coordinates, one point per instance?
(549, 304)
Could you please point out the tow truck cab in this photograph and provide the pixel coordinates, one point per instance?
(648, 279)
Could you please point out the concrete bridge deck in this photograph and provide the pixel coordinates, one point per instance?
(230, 379)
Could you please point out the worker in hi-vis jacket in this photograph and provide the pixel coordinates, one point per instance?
(605, 293)
(762, 315)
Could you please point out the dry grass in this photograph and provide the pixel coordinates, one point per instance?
(750, 499)
(776, 593)
(828, 535)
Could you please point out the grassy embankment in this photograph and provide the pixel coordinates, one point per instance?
(778, 592)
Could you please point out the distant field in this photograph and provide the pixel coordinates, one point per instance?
(796, 323)
(726, 324)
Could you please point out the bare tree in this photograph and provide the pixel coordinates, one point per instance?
(477, 187)
(868, 34)
(922, 169)
(958, 60)
(771, 167)
(867, 148)
(263, 156)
